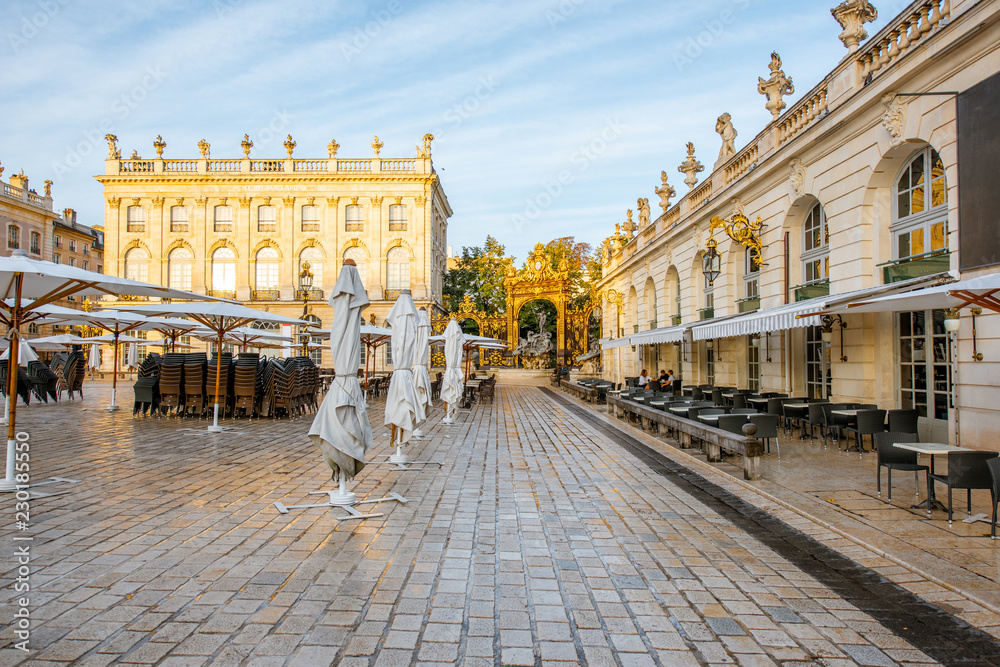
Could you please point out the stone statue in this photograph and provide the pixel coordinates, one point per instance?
(643, 205)
(205, 148)
(665, 191)
(690, 167)
(425, 151)
(852, 15)
(48, 188)
(536, 348)
(247, 145)
(332, 148)
(894, 118)
(629, 226)
(775, 87)
(724, 126)
(114, 153)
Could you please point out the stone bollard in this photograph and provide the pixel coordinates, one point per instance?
(647, 423)
(662, 429)
(686, 440)
(713, 452)
(754, 452)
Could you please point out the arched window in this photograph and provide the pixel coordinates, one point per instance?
(360, 259)
(751, 282)
(397, 218)
(223, 218)
(315, 259)
(224, 270)
(179, 261)
(920, 214)
(178, 218)
(397, 269)
(633, 304)
(816, 246)
(13, 237)
(267, 269)
(137, 265)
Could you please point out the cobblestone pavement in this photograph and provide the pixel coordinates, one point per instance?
(549, 535)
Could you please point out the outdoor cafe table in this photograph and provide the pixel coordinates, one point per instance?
(709, 419)
(758, 401)
(933, 449)
(681, 410)
(797, 406)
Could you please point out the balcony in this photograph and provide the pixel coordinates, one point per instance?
(223, 227)
(706, 313)
(310, 226)
(354, 227)
(391, 294)
(812, 290)
(178, 227)
(309, 294)
(136, 227)
(926, 264)
(265, 295)
(130, 297)
(675, 320)
(749, 304)
(223, 294)
(267, 227)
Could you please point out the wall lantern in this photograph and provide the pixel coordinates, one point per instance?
(828, 323)
(711, 262)
(952, 320)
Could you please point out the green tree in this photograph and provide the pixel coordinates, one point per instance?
(584, 267)
(480, 274)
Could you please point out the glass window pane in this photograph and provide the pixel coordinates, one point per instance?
(937, 236)
(906, 400)
(918, 324)
(904, 324)
(917, 200)
(905, 351)
(917, 242)
(903, 246)
(917, 171)
(904, 181)
(903, 200)
(938, 196)
(920, 376)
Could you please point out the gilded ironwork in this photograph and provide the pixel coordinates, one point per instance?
(740, 229)
(265, 295)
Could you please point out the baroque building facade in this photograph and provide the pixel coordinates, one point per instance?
(245, 228)
(857, 187)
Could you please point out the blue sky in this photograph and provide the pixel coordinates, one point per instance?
(520, 94)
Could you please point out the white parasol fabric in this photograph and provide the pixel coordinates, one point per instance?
(452, 386)
(421, 378)
(24, 354)
(401, 403)
(975, 292)
(132, 359)
(94, 360)
(341, 429)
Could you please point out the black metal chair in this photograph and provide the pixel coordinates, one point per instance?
(868, 422)
(993, 465)
(895, 458)
(717, 396)
(767, 428)
(903, 421)
(966, 470)
(733, 422)
(813, 418)
(739, 401)
(832, 424)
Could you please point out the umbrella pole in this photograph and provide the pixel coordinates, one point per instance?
(114, 377)
(215, 428)
(8, 483)
(342, 497)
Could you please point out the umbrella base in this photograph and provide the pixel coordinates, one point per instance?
(404, 465)
(399, 458)
(7, 485)
(216, 429)
(351, 512)
(113, 408)
(341, 498)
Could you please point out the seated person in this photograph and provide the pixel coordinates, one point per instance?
(670, 376)
(663, 378)
(643, 379)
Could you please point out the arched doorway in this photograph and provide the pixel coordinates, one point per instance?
(537, 327)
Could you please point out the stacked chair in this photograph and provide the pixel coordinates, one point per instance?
(225, 383)
(23, 383)
(73, 373)
(245, 386)
(147, 385)
(172, 382)
(195, 399)
(44, 382)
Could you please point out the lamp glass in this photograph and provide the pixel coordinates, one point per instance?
(827, 336)
(952, 324)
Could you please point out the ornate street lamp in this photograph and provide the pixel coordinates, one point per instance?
(827, 332)
(711, 262)
(305, 284)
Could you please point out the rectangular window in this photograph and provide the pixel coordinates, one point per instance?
(100, 268)
(223, 218)
(178, 219)
(57, 258)
(310, 218)
(57, 241)
(85, 265)
(72, 245)
(86, 249)
(925, 380)
(397, 218)
(136, 219)
(72, 261)
(36, 243)
(753, 364)
(817, 364)
(354, 219)
(224, 276)
(180, 274)
(267, 218)
(388, 354)
(710, 366)
(13, 237)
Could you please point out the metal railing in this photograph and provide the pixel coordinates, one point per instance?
(391, 294)
(314, 294)
(265, 295)
(223, 294)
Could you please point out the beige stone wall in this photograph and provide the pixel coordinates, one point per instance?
(851, 161)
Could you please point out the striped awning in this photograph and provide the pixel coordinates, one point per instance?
(612, 343)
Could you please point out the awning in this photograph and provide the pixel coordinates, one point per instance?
(801, 314)
(674, 334)
(981, 292)
(612, 343)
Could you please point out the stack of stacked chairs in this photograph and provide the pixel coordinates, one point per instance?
(172, 382)
(57, 365)
(279, 388)
(147, 385)
(43, 381)
(310, 371)
(23, 383)
(303, 393)
(74, 371)
(245, 391)
(225, 383)
(195, 398)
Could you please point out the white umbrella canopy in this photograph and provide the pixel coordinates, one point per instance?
(94, 360)
(59, 339)
(26, 284)
(221, 317)
(421, 378)
(401, 404)
(341, 429)
(451, 386)
(24, 354)
(976, 292)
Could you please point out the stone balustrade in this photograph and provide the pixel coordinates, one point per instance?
(894, 41)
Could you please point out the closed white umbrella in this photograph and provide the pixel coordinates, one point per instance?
(132, 359)
(401, 411)
(24, 354)
(421, 378)
(452, 385)
(341, 429)
(94, 360)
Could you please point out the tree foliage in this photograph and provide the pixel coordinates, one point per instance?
(479, 275)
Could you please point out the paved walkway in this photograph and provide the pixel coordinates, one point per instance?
(550, 534)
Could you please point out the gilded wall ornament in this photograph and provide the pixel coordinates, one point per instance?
(247, 145)
(310, 201)
(894, 118)
(665, 191)
(724, 126)
(245, 202)
(159, 145)
(398, 200)
(629, 226)
(332, 201)
(690, 167)
(377, 200)
(267, 201)
(114, 153)
(158, 201)
(354, 201)
(332, 148)
(223, 200)
(114, 202)
(289, 145)
(288, 201)
(852, 16)
(377, 145)
(135, 201)
(205, 148)
(797, 176)
(180, 201)
(420, 200)
(200, 201)
(775, 87)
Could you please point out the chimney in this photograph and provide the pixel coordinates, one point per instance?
(69, 215)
